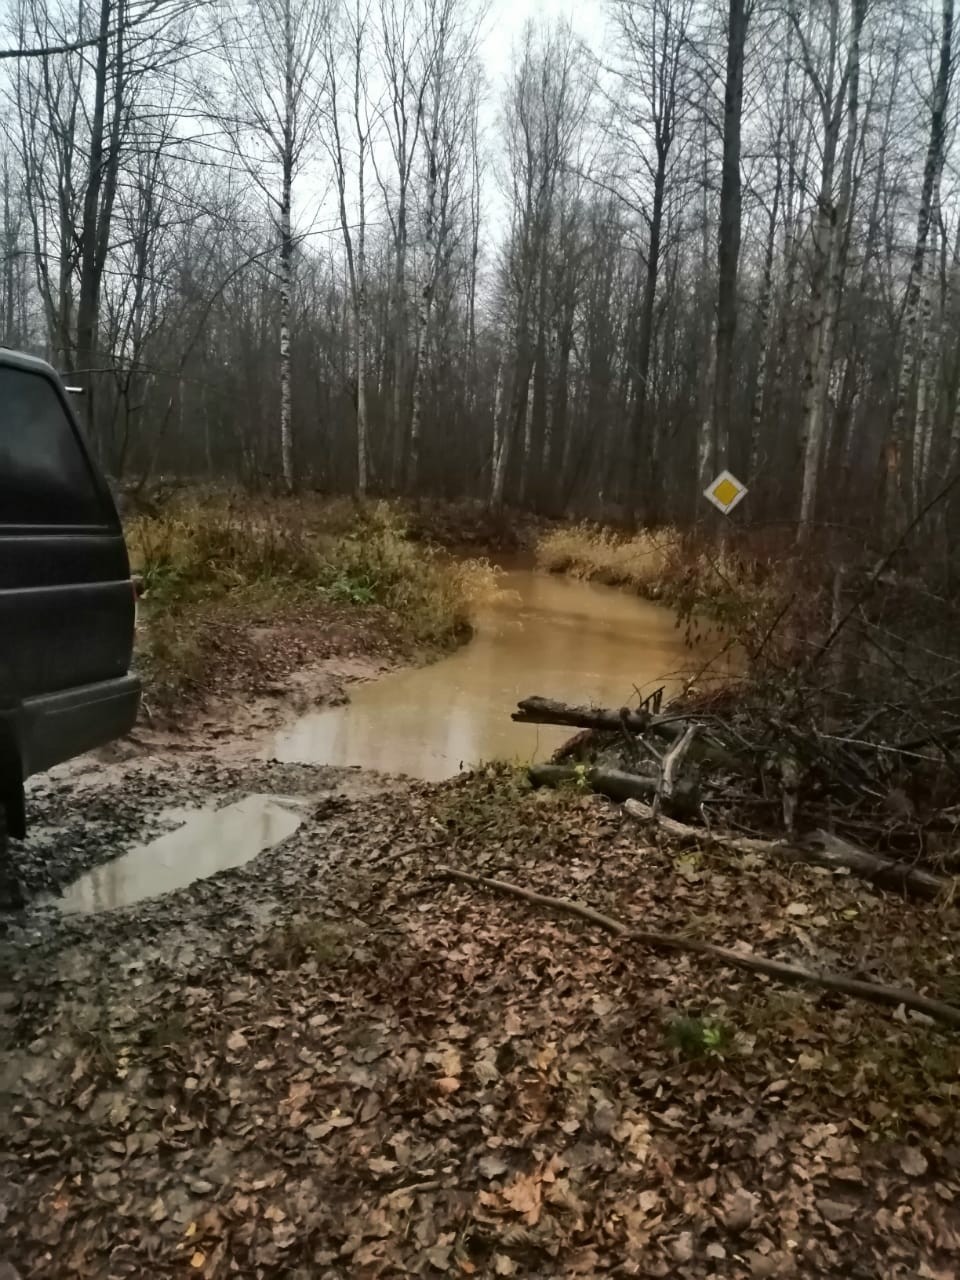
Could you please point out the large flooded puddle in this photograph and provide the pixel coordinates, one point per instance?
(547, 635)
(210, 840)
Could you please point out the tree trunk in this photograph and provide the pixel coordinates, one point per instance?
(498, 461)
(641, 473)
(764, 309)
(102, 161)
(286, 260)
(360, 319)
(926, 376)
(360, 291)
(525, 459)
(728, 248)
(829, 250)
(896, 482)
(399, 340)
(9, 334)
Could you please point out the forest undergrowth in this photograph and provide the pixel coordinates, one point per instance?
(220, 571)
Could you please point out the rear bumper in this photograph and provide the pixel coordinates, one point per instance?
(58, 726)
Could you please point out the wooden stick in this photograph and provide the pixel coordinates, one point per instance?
(674, 758)
(615, 783)
(875, 992)
(828, 851)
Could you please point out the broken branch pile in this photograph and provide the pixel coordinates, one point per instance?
(759, 777)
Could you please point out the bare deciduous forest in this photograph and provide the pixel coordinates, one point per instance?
(533, 873)
(304, 244)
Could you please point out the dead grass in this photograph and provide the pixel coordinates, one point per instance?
(586, 551)
(221, 562)
(741, 584)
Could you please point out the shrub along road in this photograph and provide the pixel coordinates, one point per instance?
(334, 1063)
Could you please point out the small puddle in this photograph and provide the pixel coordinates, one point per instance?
(546, 634)
(210, 840)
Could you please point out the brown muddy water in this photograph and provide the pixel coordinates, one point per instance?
(208, 840)
(545, 634)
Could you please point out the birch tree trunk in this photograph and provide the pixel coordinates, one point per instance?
(829, 247)
(424, 307)
(475, 230)
(926, 372)
(525, 458)
(498, 468)
(353, 228)
(764, 304)
(9, 333)
(286, 259)
(896, 482)
(360, 320)
(272, 58)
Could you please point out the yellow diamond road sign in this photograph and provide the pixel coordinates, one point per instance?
(725, 492)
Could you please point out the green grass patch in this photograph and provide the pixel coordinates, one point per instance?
(694, 1037)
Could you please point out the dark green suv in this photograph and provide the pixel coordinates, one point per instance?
(67, 602)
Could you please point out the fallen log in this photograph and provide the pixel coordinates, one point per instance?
(617, 785)
(875, 992)
(820, 850)
(538, 710)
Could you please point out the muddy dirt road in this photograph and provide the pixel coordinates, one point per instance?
(323, 1060)
(331, 1063)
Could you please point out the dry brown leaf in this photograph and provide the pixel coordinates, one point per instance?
(547, 1057)
(485, 1068)
(503, 1265)
(299, 1090)
(764, 1143)
(810, 1061)
(525, 1196)
(913, 1162)
(438, 1256)
(448, 1084)
(451, 1063)
(236, 1041)
(197, 1260)
(836, 1210)
(371, 1107)
(633, 1131)
(491, 1166)
(681, 1249)
(739, 1209)
(512, 1024)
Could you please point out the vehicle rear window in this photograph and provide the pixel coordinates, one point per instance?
(45, 478)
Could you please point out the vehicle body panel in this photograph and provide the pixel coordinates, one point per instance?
(67, 605)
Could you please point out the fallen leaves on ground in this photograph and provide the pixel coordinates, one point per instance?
(450, 1083)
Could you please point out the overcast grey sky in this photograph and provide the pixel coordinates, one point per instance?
(505, 21)
(502, 32)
